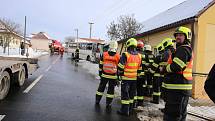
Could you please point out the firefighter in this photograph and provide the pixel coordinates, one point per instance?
(178, 78)
(157, 78)
(169, 50)
(77, 54)
(108, 73)
(61, 51)
(168, 44)
(128, 69)
(149, 59)
(140, 79)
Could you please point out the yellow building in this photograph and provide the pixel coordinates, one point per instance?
(199, 16)
(9, 37)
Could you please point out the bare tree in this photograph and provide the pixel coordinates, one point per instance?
(126, 27)
(69, 39)
(112, 32)
(13, 28)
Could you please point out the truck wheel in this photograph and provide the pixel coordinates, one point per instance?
(88, 58)
(4, 84)
(21, 78)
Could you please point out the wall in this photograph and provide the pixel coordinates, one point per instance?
(204, 57)
(40, 44)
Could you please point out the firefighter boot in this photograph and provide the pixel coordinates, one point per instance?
(155, 99)
(135, 104)
(139, 102)
(131, 107)
(98, 98)
(124, 110)
(108, 102)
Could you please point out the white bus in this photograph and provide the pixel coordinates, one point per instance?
(87, 51)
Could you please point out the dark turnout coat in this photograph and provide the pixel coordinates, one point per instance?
(210, 84)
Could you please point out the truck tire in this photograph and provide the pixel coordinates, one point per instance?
(88, 58)
(21, 76)
(4, 84)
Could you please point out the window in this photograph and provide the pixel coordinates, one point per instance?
(155, 51)
(17, 42)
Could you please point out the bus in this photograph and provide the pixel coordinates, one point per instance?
(87, 51)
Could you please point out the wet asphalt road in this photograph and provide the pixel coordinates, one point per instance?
(64, 93)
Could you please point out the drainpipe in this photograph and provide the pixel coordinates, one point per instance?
(193, 32)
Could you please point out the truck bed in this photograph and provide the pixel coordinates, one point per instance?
(4, 63)
(30, 60)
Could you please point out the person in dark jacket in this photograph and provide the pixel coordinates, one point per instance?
(157, 76)
(178, 80)
(128, 68)
(108, 73)
(210, 84)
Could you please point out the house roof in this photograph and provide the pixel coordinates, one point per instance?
(93, 40)
(180, 14)
(41, 35)
(4, 29)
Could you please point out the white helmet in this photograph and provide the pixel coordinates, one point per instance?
(148, 47)
(113, 45)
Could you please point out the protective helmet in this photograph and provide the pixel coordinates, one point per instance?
(140, 44)
(167, 42)
(113, 45)
(160, 47)
(131, 42)
(106, 46)
(184, 30)
(148, 47)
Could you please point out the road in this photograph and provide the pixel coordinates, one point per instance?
(58, 91)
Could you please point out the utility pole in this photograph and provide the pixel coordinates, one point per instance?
(91, 23)
(22, 44)
(25, 34)
(77, 36)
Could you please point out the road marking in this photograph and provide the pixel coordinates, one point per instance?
(33, 84)
(49, 67)
(55, 60)
(1, 117)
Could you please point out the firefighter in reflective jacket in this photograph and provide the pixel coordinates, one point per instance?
(77, 54)
(108, 73)
(169, 51)
(148, 61)
(157, 78)
(128, 69)
(178, 79)
(140, 78)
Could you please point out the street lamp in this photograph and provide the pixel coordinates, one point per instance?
(91, 23)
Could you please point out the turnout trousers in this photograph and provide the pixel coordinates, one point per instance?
(140, 90)
(110, 92)
(128, 90)
(175, 107)
(156, 89)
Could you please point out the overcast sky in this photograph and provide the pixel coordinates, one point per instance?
(59, 18)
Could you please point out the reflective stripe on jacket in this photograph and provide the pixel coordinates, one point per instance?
(110, 63)
(132, 65)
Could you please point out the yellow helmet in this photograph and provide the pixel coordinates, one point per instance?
(160, 47)
(113, 45)
(167, 42)
(184, 30)
(131, 42)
